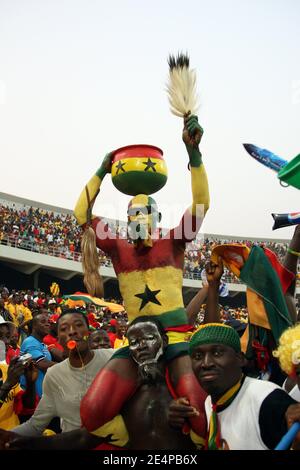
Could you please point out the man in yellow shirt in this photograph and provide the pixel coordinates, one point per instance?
(121, 340)
(19, 313)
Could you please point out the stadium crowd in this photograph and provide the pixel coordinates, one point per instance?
(58, 234)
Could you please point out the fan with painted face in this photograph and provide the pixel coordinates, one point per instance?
(143, 217)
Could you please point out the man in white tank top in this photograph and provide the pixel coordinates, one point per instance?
(242, 413)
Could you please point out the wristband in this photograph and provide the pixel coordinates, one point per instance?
(292, 252)
(101, 172)
(195, 157)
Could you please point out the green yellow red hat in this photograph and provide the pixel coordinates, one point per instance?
(215, 333)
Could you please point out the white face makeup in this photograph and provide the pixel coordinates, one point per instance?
(145, 343)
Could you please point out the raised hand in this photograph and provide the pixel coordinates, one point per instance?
(107, 162)
(214, 271)
(192, 132)
(105, 166)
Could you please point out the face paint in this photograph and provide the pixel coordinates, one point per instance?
(142, 217)
(138, 230)
(145, 343)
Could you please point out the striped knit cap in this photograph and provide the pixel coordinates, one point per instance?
(215, 333)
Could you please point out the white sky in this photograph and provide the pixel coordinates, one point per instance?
(79, 78)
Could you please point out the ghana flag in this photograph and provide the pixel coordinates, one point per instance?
(87, 298)
(138, 169)
(267, 281)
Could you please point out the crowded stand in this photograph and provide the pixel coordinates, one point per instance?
(58, 234)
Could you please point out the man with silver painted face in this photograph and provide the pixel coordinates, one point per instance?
(147, 342)
(145, 413)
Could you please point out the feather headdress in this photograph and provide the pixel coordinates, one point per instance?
(181, 86)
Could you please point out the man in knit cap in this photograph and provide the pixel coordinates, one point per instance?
(242, 413)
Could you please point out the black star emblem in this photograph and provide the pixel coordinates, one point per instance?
(120, 167)
(148, 296)
(149, 164)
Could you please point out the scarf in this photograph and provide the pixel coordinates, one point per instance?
(214, 433)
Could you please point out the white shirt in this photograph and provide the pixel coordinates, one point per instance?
(63, 388)
(239, 422)
(295, 393)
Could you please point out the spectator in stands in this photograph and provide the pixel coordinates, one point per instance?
(40, 299)
(53, 307)
(34, 345)
(4, 312)
(110, 328)
(230, 320)
(51, 341)
(14, 401)
(5, 332)
(121, 328)
(99, 339)
(16, 309)
(5, 296)
(13, 349)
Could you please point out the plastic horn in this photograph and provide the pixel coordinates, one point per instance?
(71, 344)
(285, 220)
(288, 438)
(267, 158)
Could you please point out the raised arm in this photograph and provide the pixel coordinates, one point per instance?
(192, 135)
(193, 308)
(83, 208)
(214, 273)
(194, 215)
(96, 232)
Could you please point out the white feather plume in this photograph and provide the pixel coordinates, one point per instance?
(181, 87)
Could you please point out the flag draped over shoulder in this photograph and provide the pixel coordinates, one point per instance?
(267, 281)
